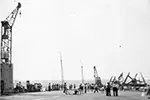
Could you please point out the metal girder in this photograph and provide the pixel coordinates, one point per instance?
(134, 81)
(135, 75)
(143, 78)
(111, 79)
(126, 78)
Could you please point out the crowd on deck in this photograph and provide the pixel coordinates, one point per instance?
(83, 88)
(76, 89)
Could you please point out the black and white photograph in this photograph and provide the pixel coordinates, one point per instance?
(75, 49)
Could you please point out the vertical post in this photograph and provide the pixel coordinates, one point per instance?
(82, 73)
(62, 74)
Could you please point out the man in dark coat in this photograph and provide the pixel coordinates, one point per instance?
(108, 89)
(49, 87)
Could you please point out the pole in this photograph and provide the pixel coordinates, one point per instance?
(82, 73)
(62, 74)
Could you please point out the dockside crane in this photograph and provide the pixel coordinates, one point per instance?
(98, 81)
(6, 74)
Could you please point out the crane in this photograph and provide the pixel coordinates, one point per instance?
(6, 74)
(98, 81)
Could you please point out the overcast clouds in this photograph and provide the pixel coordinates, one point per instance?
(91, 30)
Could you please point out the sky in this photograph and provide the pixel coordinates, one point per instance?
(113, 35)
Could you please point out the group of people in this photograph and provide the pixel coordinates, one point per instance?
(54, 86)
(84, 88)
(108, 88)
(19, 88)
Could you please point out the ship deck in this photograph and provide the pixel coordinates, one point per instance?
(58, 95)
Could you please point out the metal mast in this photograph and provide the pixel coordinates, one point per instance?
(82, 72)
(62, 72)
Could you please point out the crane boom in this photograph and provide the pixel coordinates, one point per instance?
(6, 35)
(12, 17)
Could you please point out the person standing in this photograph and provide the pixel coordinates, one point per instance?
(95, 88)
(74, 86)
(81, 88)
(108, 89)
(65, 88)
(85, 88)
(115, 90)
(92, 87)
(49, 87)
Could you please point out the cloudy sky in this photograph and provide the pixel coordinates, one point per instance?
(113, 35)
